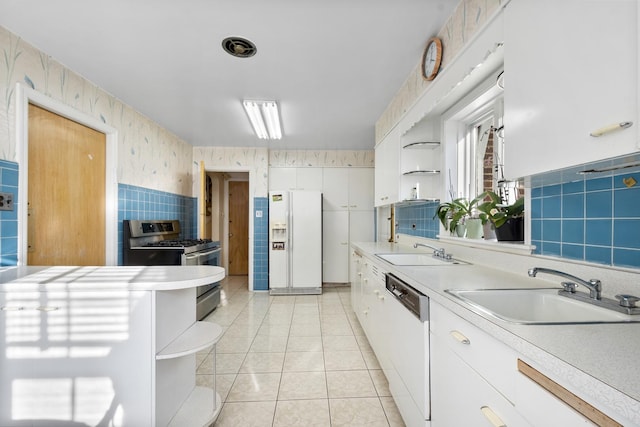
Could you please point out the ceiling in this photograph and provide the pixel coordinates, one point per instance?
(332, 65)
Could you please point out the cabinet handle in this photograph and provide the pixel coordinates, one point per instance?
(47, 308)
(11, 308)
(360, 274)
(381, 297)
(460, 337)
(608, 129)
(492, 417)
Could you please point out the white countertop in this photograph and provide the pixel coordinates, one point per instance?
(598, 361)
(144, 278)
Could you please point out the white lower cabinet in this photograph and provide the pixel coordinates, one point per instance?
(461, 397)
(475, 381)
(531, 398)
(335, 246)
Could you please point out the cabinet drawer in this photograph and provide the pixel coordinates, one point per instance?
(493, 360)
(461, 397)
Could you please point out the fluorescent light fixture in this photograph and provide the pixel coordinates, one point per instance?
(264, 118)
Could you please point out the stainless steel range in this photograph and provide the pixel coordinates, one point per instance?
(157, 242)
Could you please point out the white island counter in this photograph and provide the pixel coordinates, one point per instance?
(89, 346)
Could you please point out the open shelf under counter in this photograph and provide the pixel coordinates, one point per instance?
(422, 145)
(200, 409)
(197, 337)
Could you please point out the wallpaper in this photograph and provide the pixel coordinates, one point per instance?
(466, 20)
(330, 158)
(148, 155)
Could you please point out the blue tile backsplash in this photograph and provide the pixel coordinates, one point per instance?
(9, 219)
(595, 220)
(143, 203)
(417, 219)
(261, 244)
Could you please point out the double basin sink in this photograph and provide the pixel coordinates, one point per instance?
(537, 306)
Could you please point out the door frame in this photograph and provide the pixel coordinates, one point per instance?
(225, 231)
(26, 96)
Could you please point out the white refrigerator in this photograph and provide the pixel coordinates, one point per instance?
(295, 242)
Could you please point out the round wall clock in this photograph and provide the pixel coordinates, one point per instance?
(431, 58)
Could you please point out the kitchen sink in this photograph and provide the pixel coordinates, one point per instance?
(537, 306)
(417, 259)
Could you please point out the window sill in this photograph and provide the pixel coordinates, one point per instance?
(492, 245)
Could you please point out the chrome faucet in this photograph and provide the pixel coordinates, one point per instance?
(437, 252)
(594, 285)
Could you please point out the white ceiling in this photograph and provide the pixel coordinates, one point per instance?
(332, 65)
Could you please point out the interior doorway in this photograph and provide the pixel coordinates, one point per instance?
(227, 218)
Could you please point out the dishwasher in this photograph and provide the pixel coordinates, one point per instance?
(408, 375)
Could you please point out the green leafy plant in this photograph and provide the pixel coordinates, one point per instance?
(497, 212)
(456, 211)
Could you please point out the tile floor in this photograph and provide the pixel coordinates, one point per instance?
(295, 361)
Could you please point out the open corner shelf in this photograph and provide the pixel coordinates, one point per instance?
(200, 409)
(197, 337)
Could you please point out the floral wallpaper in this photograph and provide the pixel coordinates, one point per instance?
(329, 158)
(148, 155)
(466, 20)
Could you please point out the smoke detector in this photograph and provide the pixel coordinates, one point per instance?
(238, 46)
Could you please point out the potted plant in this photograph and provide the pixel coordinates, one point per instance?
(458, 212)
(508, 220)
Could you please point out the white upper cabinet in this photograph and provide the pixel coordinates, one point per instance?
(387, 171)
(571, 69)
(335, 191)
(360, 189)
(309, 179)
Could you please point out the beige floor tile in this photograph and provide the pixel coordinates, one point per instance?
(206, 367)
(380, 382)
(303, 385)
(228, 363)
(305, 329)
(269, 344)
(339, 343)
(298, 413)
(254, 387)
(281, 330)
(357, 412)
(304, 344)
(262, 363)
(391, 410)
(336, 329)
(343, 384)
(343, 360)
(246, 414)
(371, 360)
(303, 361)
(223, 385)
(363, 343)
(233, 344)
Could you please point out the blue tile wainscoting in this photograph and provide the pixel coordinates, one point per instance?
(595, 220)
(260, 243)
(143, 203)
(9, 219)
(418, 219)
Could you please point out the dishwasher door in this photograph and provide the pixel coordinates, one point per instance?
(409, 356)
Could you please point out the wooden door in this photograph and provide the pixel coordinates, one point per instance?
(238, 227)
(66, 191)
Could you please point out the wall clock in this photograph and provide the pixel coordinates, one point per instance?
(431, 58)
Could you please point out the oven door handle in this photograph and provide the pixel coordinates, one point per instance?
(208, 253)
(191, 256)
